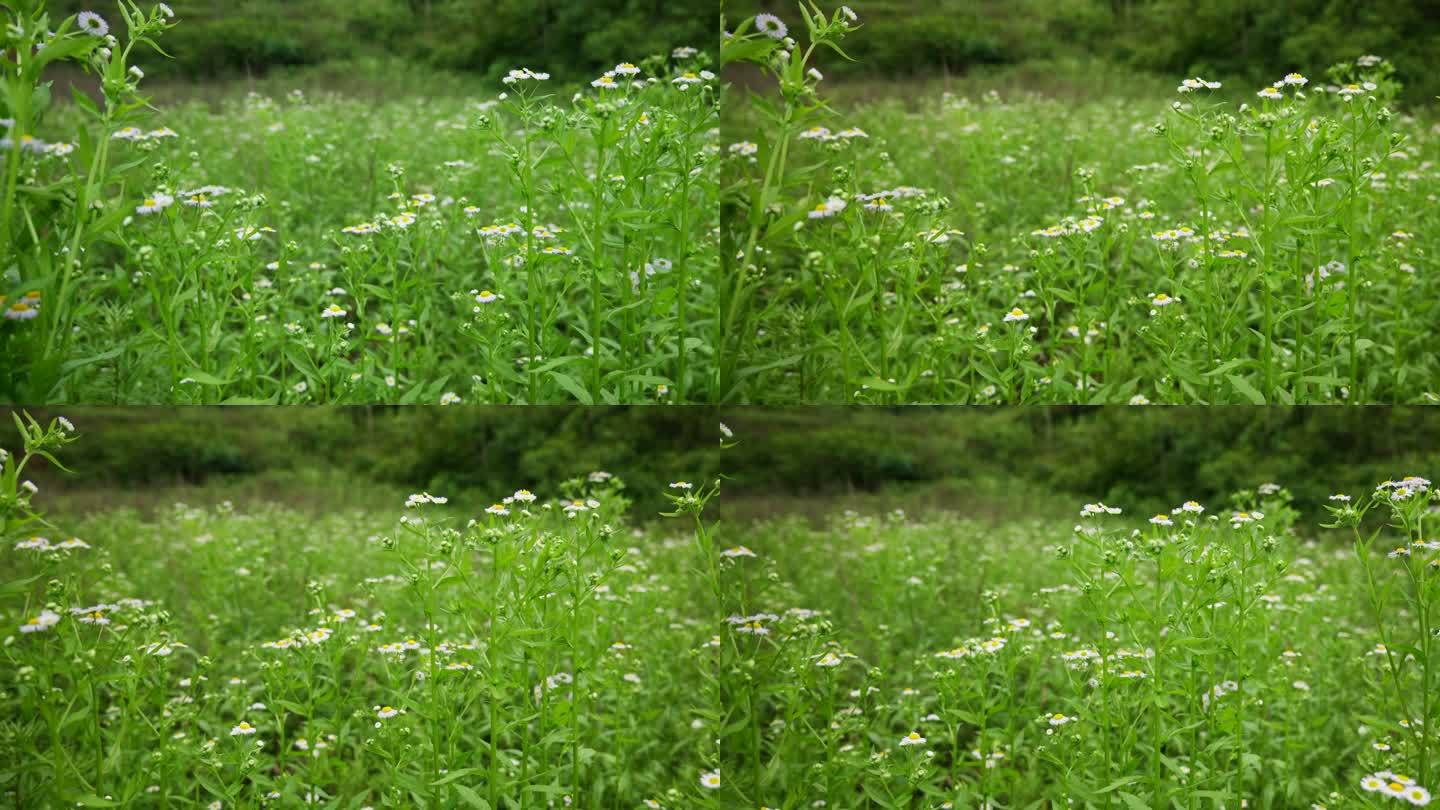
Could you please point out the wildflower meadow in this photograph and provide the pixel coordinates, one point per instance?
(555, 648)
(540, 652)
(1204, 243)
(530, 241)
(1211, 655)
(787, 592)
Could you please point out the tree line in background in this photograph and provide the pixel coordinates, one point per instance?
(1241, 39)
(572, 40)
(1142, 458)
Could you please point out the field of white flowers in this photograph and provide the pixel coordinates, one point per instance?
(1215, 655)
(547, 652)
(1209, 244)
(537, 242)
(540, 653)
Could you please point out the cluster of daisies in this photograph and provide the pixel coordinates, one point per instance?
(1396, 786)
(1115, 661)
(25, 309)
(202, 198)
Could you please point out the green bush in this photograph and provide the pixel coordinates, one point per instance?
(1133, 457)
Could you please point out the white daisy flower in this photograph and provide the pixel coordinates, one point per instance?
(92, 24)
(154, 205)
(771, 26)
(45, 620)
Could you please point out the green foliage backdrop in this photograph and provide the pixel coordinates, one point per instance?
(1135, 457)
(573, 40)
(1238, 39)
(906, 38)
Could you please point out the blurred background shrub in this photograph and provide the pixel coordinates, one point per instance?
(960, 458)
(218, 39)
(1238, 40)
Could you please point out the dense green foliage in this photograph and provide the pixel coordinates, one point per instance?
(1232, 39)
(1232, 650)
(1189, 247)
(535, 245)
(400, 656)
(1137, 456)
(571, 40)
(1213, 655)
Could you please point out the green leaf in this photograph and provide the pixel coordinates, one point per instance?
(70, 365)
(91, 800)
(453, 775)
(19, 585)
(302, 362)
(1224, 367)
(751, 371)
(205, 378)
(60, 48)
(1134, 802)
(877, 384)
(753, 50)
(573, 386)
(1244, 388)
(471, 797)
(1117, 784)
(292, 707)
